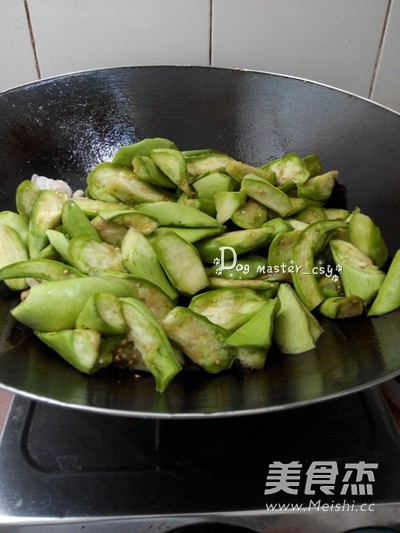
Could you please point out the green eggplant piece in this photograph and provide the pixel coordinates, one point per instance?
(212, 183)
(75, 222)
(99, 178)
(60, 243)
(181, 262)
(234, 242)
(49, 253)
(46, 269)
(311, 214)
(17, 222)
(288, 187)
(278, 225)
(300, 204)
(173, 165)
(127, 188)
(25, 197)
(146, 170)
(257, 331)
(304, 277)
(124, 155)
(239, 170)
(140, 259)
(79, 347)
(290, 167)
(226, 203)
(45, 215)
(12, 250)
(131, 218)
(178, 215)
(158, 302)
(319, 187)
(269, 293)
(109, 232)
(367, 237)
(313, 165)
(333, 213)
(358, 274)
(228, 308)
(251, 215)
(267, 194)
(295, 224)
(86, 253)
(200, 340)
(342, 307)
(281, 255)
(260, 285)
(151, 341)
(189, 234)
(388, 297)
(330, 286)
(295, 329)
(55, 305)
(199, 162)
(207, 205)
(253, 358)
(92, 208)
(103, 313)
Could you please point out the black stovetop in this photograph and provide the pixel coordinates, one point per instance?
(66, 468)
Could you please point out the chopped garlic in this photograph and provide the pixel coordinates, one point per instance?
(46, 183)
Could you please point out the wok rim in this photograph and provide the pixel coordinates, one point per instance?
(74, 73)
(124, 413)
(201, 414)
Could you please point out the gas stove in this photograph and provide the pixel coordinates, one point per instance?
(329, 467)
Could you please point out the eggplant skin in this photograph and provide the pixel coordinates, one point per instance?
(201, 340)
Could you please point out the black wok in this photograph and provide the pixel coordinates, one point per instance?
(62, 127)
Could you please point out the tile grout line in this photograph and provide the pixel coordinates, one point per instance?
(210, 42)
(33, 43)
(379, 51)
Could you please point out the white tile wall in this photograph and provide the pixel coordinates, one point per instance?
(386, 88)
(351, 44)
(75, 35)
(334, 42)
(17, 62)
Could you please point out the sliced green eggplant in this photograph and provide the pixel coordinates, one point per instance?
(267, 194)
(55, 305)
(388, 296)
(200, 340)
(103, 313)
(229, 308)
(140, 259)
(12, 250)
(359, 275)
(45, 215)
(295, 329)
(86, 253)
(125, 154)
(181, 262)
(257, 331)
(81, 348)
(151, 341)
(367, 237)
(342, 307)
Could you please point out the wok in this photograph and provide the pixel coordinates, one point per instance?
(62, 127)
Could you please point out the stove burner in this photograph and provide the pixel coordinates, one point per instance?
(62, 466)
